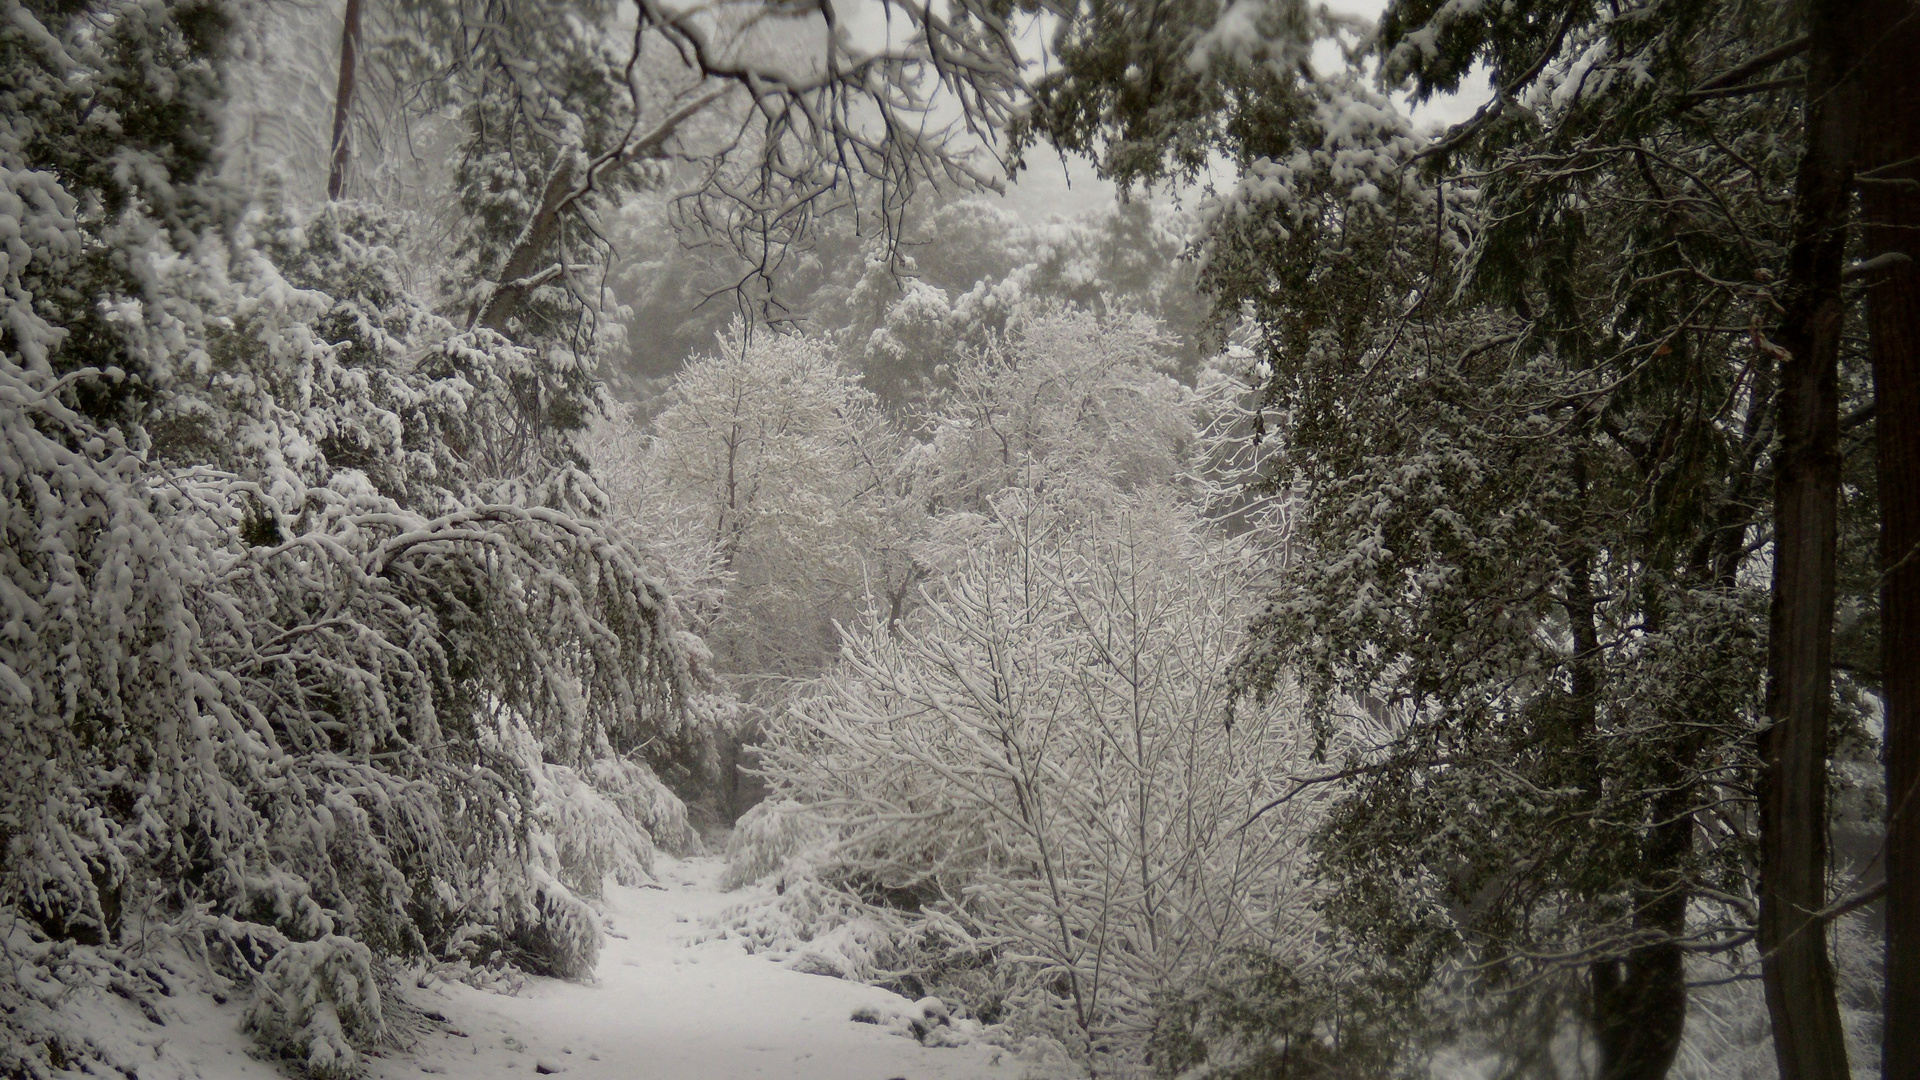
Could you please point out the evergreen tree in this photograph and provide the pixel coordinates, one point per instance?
(1526, 373)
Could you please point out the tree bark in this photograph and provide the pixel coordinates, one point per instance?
(521, 274)
(1640, 1001)
(1890, 211)
(1809, 1043)
(343, 98)
(526, 267)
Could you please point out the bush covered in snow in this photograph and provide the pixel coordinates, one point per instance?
(313, 647)
(318, 1003)
(775, 835)
(637, 794)
(1038, 792)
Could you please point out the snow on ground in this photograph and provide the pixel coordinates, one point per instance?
(669, 1001)
(665, 1005)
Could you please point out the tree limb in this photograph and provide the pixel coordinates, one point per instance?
(1741, 72)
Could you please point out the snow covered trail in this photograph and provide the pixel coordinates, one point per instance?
(666, 1006)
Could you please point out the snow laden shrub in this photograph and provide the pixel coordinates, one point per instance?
(777, 834)
(280, 548)
(818, 928)
(115, 736)
(582, 836)
(489, 629)
(318, 1003)
(1046, 759)
(637, 794)
(548, 929)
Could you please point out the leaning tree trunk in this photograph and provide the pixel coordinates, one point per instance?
(521, 273)
(1890, 209)
(343, 98)
(1798, 973)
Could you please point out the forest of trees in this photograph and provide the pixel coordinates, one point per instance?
(1374, 601)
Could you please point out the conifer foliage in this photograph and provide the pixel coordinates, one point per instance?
(1533, 383)
(1480, 661)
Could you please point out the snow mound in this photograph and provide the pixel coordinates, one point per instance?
(772, 837)
(158, 1012)
(317, 1003)
(933, 1022)
(816, 929)
(930, 1022)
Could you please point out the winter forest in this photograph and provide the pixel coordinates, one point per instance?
(1027, 539)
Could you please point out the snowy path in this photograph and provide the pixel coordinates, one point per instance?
(661, 1008)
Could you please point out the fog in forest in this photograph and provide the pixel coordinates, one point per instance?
(871, 539)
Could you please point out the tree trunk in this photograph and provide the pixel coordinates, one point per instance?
(343, 98)
(1638, 1002)
(519, 276)
(1890, 209)
(1798, 973)
(526, 267)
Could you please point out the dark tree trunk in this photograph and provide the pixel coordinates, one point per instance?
(1890, 209)
(1640, 1008)
(343, 98)
(527, 266)
(1798, 973)
(1639, 1001)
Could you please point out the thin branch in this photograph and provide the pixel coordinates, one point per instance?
(1740, 73)
(1851, 904)
(1462, 132)
(1697, 96)
(1884, 261)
